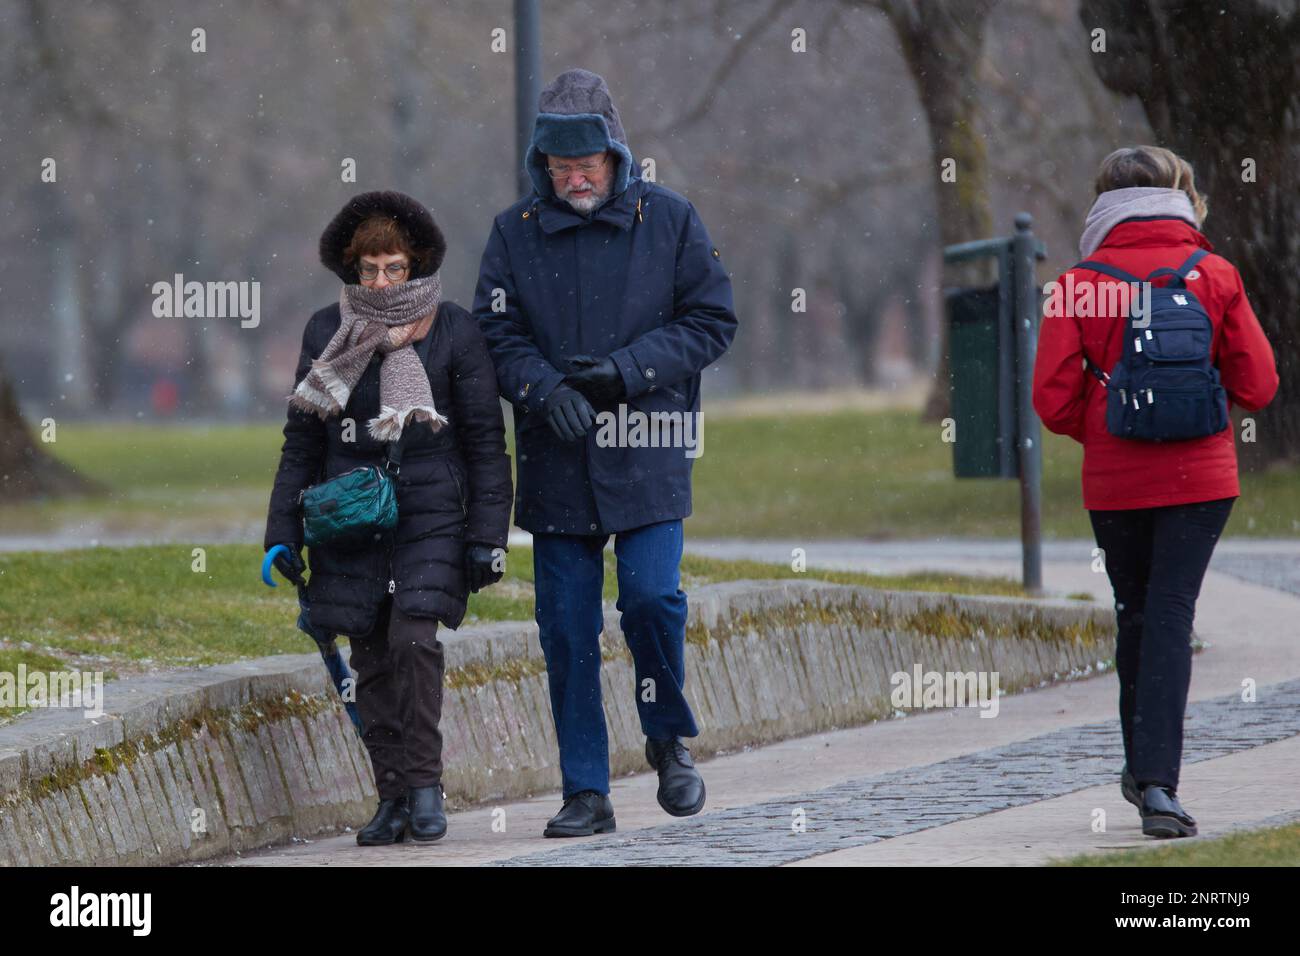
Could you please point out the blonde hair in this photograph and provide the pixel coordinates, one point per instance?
(1150, 166)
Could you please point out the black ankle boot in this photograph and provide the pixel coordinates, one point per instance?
(1163, 815)
(428, 819)
(387, 826)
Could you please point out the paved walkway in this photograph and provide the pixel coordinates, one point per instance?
(948, 787)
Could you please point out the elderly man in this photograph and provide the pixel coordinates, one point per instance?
(601, 297)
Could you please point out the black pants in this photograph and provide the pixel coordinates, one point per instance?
(1156, 559)
(399, 667)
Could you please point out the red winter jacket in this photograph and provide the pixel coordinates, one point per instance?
(1121, 473)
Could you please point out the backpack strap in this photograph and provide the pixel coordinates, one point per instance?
(393, 451)
(1180, 274)
(1104, 269)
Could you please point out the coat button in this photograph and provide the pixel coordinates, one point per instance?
(593, 527)
(649, 373)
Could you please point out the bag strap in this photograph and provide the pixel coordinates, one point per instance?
(393, 451)
(1180, 274)
(1112, 271)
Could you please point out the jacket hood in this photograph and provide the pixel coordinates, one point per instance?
(576, 116)
(413, 217)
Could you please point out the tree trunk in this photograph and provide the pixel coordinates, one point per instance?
(26, 470)
(1220, 88)
(943, 42)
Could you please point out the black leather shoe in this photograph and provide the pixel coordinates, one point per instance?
(1163, 815)
(583, 814)
(1129, 787)
(387, 826)
(681, 789)
(428, 819)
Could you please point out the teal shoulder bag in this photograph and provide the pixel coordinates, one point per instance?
(351, 509)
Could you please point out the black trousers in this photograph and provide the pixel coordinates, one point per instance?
(1156, 559)
(399, 669)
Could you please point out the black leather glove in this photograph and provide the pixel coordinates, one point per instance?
(481, 567)
(597, 378)
(290, 563)
(569, 413)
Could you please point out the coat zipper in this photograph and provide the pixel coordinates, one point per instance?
(460, 492)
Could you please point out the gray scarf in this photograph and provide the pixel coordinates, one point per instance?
(384, 320)
(1115, 205)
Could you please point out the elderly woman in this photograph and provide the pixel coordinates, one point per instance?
(391, 360)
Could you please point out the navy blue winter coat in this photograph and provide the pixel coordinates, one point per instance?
(639, 281)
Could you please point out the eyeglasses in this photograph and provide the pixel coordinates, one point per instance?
(394, 270)
(559, 172)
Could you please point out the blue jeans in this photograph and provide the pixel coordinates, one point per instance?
(569, 576)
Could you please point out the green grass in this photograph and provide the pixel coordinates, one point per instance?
(144, 608)
(34, 661)
(848, 474)
(1272, 846)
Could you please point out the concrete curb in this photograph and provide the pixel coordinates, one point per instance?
(195, 764)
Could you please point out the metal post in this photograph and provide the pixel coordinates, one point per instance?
(1007, 425)
(528, 82)
(1028, 431)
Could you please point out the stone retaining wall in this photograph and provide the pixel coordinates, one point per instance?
(195, 764)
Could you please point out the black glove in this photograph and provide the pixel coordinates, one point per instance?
(290, 564)
(480, 569)
(597, 378)
(569, 413)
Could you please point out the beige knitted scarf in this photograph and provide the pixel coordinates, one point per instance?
(388, 321)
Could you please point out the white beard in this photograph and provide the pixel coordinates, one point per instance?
(585, 206)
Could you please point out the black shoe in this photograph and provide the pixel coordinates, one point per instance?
(583, 814)
(428, 819)
(681, 789)
(387, 826)
(1129, 787)
(1163, 816)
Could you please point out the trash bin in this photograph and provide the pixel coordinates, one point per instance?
(975, 383)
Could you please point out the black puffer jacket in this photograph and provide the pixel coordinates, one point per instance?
(454, 486)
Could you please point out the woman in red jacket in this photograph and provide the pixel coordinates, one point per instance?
(1157, 508)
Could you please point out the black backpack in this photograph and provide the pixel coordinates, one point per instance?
(1164, 387)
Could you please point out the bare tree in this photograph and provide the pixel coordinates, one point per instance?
(943, 44)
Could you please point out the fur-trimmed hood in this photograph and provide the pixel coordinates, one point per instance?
(410, 214)
(576, 116)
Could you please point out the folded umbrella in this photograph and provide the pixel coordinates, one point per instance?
(325, 642)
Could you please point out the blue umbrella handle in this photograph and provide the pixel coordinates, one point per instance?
(268, 561)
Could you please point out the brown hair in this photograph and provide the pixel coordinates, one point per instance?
(1150, 166)
(381, 235)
